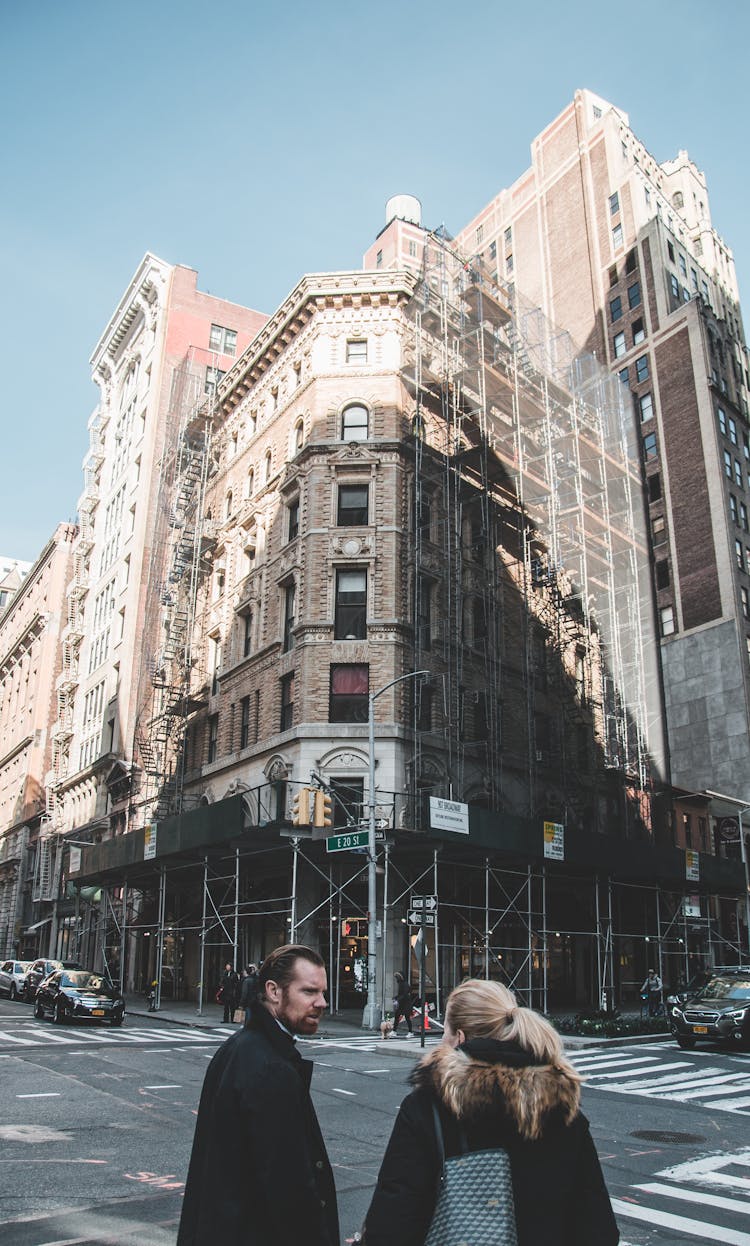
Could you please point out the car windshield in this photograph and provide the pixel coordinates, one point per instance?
(86, 981)
(727, 988)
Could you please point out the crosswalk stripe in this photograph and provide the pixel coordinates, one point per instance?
(11, 1038)
(593, 1069)
(678, 1064)
(710, 1087)
(736, 1105)
(663, 1083)
(694, 1228)
(741, 1206)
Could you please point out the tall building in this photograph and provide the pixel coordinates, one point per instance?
(620, 251)
(162, 324)
(30, 629)
(12, 573)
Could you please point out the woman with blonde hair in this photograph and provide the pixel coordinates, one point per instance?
(500, 1092)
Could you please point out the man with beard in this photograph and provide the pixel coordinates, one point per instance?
(259, 1174)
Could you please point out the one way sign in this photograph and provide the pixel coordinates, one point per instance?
(416, 917)
(429, 903)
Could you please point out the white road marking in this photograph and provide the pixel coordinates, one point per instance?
(696, 1196)
(43, 1094)
(11, 1038)
(736, 1105)
(343, 1092)
(679, 1064)
(166, 1086)
(666, 1220)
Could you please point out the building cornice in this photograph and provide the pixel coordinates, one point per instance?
(141, 291)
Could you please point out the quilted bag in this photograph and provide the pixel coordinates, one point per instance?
(475, 1198)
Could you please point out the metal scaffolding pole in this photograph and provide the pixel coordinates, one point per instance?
(203, 937)
(384, 975)
(236, 906)
(544, 938)
(295, 852)
(486, 917)
(123, 935)
(437, 940)
(529, 941)
(160, 935)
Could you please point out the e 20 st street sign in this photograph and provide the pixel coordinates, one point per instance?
(347, 842)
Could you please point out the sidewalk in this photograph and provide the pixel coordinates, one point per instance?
(348, 1024)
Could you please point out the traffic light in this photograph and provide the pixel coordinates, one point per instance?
(323, 810)
(301, 807)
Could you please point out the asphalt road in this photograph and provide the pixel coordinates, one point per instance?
(96, 1128)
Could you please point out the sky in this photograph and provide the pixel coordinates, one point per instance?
(256, 142)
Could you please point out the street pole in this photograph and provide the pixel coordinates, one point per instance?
(745, 808)
(371, 1016)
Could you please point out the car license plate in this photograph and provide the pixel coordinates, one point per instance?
(97, 1012)
(700, 1029)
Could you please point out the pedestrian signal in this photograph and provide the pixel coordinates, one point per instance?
(301, 807)
(323, 810)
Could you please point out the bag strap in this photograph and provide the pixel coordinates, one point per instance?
(439, 1140)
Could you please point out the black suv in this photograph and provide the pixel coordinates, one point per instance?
(40, 970)
(718, 1012)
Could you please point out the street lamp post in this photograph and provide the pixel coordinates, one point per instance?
(370, 1017)
(745, 808)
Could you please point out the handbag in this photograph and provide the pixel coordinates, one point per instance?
(475, 1197)
(238, 1015)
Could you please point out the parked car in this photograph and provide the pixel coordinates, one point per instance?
(12, 974)
(718, 1012)
(78, 995)
(40, 970)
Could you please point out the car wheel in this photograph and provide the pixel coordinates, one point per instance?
(116, 1021)
(59, 1015)
(13, 992)
(685, 1042)
(38, 1010)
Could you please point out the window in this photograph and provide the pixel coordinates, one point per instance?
(379, 259)
(634, 295)
(639, 333)
(733, 508)
(727, 464)
(745, 600)
(215, 664)
(355, 423)
(739, 554)
(296, 375)
(247, 635)
(228, 505)
(292, 512)
(289, 607)
(223, 340)
(267, 467)
(743, 517)
(213, 376)
(617, 237)
(733, 431)
(349, 691)
(615, 309)
(479, 234)
(613, 276)
(649, 446)
(641, 368)
(244, 722)
(286, 717)
(654, 487)
(738, 473)
(666, 620)
(413, 249)
(657, 527)
(631, 261)
(356, 350)
(299, 437)
(423, 695)
(674, 285)
(424, 620)
(647, 406)
(694, 279)
(722, 421)
(250, 487)
(213, 737)
(353, 506)
(493, 250)
(683, 265)
(614, 204)
(662, 573)
(509, 264)
(624, 375)
(508, 238)
(619, 345)
(351, 605)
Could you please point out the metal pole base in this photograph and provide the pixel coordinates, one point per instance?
(371, 1017)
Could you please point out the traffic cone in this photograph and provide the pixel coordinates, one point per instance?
(426, 1018)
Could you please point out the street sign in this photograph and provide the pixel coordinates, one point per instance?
(429, 903)
(347, 842)
(449, 815)
(418, 917)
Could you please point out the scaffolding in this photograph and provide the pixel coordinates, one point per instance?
(530, 547)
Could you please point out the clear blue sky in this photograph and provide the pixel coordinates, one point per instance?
(258, 142)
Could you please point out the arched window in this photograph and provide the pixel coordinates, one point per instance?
(228, 505)
(298, 437)
(267, 467)
(250, 482)
(355, 422)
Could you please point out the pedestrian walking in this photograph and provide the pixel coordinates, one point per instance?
(499, 1094)
(248, 989)
(402, 1004)
(652, 992)
(229, 991)
(259, 1174)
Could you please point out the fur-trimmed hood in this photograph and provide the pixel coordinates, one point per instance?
(486, 1077)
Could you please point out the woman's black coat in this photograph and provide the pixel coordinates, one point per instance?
(500, 1095)
(259, 1174)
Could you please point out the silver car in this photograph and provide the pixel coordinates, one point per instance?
(12, 974)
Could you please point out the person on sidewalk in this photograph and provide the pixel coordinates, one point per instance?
(652, 989)
(248, 990)
(402, 1004)
(259, 1174)
(229, 991)
(498, 1084)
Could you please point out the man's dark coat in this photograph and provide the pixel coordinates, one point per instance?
(259, 1174)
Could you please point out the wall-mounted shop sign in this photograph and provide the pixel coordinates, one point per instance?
(149, 842)
(692, 865)
(449, 815)
(554, 841)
